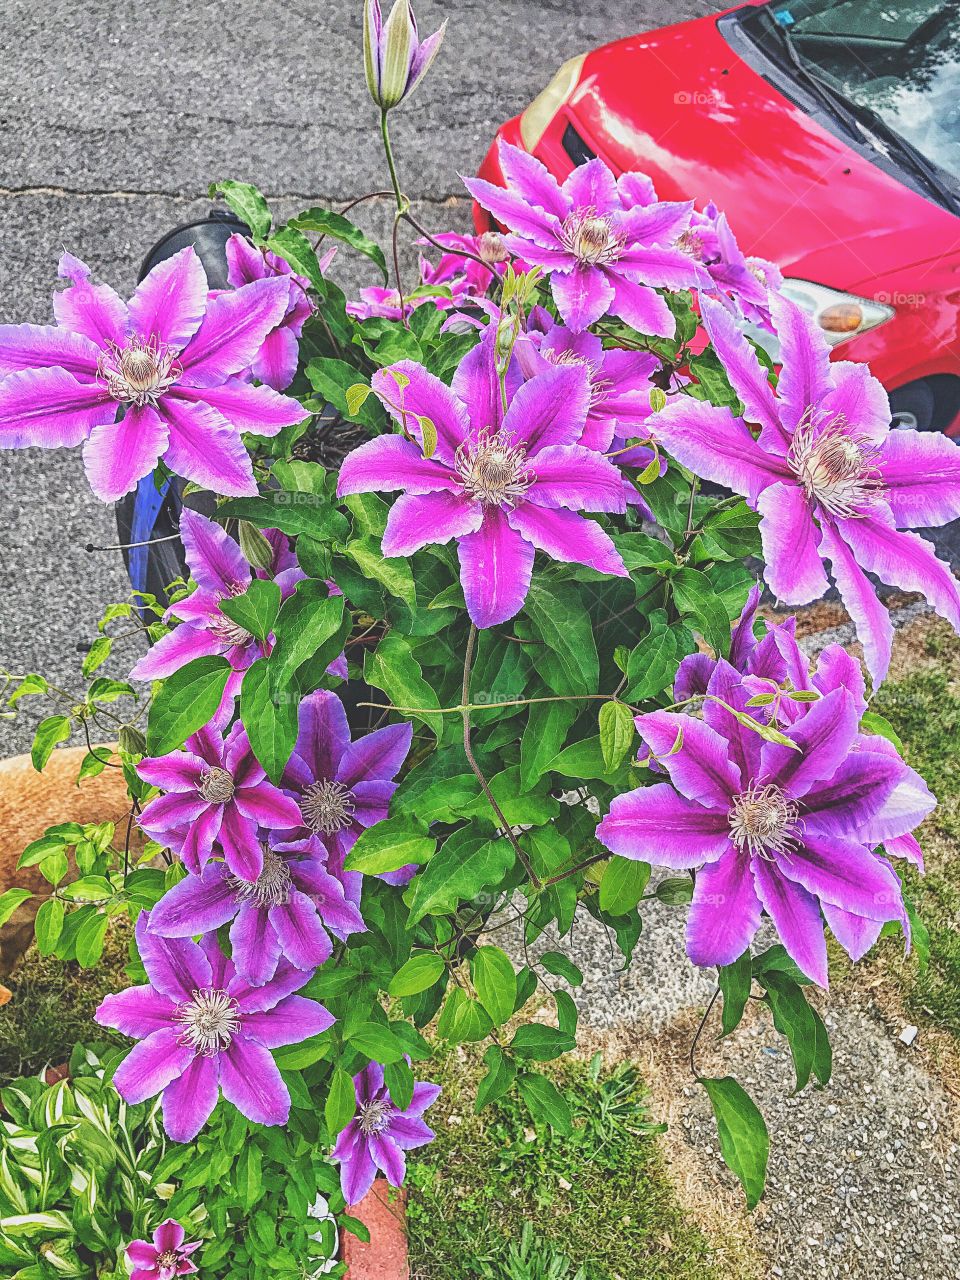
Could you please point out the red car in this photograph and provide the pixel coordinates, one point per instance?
(829, 133)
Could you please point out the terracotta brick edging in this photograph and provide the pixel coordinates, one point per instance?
(383, 1213)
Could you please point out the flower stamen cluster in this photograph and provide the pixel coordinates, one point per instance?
(837, 467)
(140, 372)
(764, 822)
(494, 469)
(271, 888)
(591, 238)
(216, 786)
(327, 806)
(209, 1021)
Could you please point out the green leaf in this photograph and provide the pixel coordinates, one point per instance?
(378, 1042)
(332, 379)
(256, 610)
(269, 718)
(185, 702)
(97, 654)
(48, 733)
(557, 963)
(293, 512)
(652, 663)
(393, 668)
(293, 246)
(735, 980)
(390, 845)
(340, 228)
(873, 722)
(90, 938)
(547, 1104)
(398, 1077)
(616, 733)
(248, 1175)
(563, 624)
(457, 873)
(247, 203)
(495, 982)
(541, 1043)
(354, 1226)
(306, 621)
(622, 885)
(418, 974)
(699, 603)
(744, 1142)
(462, 1021)
(543, 738)
(793, 1018)
(501, 1073)
(582, 760)
(10, 900)
(341, 1104)
(48, 925)
(728, 534)
(393, 573)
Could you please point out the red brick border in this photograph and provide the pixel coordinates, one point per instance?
(383, 1212)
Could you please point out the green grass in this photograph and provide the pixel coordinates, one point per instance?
(52, 1007)
(597, 1205)
(924, 708)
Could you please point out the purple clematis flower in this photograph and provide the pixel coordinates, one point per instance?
(741, 284)
(166, 1258)
(216, 792)
(202, 1029)
(284, 913)
(828, 476)
(501, 483)
(343, 787)
(772, 828)
(171, 360)
(604, 250)
(276, 362)
(465, 277)
(380, 1133)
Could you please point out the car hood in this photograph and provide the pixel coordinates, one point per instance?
(680, 105)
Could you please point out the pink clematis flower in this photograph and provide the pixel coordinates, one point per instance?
(380, 1133)
(216, 793)
(202, 1028)
(604, 250)
(282, 915)
(276, 361)
(501, 483)
(828, 476)
(172, 361)
(167, 1257)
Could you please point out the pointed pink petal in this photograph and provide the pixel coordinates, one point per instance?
(796, 915)
(870, 617)
(245, 262)
(574, 477)
(702, 769)
(302, 937)
(843, 873)
(292, 1020)
(188, 1102)
(377, 756)
(791, 544)
(276, 363)
(137, 1011)
(856, 934)
(426, 396)
(388, 463)
(171, 652)
(418, 519)
(198, 904)
(512, 209)
(860, 398)
(635, 188)
(94, 310)
(583, 295)
(233, 331)
(747, 377)
(825, 735)
(921, 475)
(169, 303)
(241, 848)
(169, 1235)
(725, 911)
(590, 186)
(255, 945)
(50, 408)
(205, 448)
(805, 377)
(496, 565)
(568, 537)
(152, 1064)
(715, 445)
(654, 824)
(216, 561)
(388, 1157)
(656, 223)
(268, 806)
(179, 771)
(117, 455)
(641, 307)
(41, 346)
(176, 966)
(532, 180)
(250, 1080)
(259, 410)
(549, 409)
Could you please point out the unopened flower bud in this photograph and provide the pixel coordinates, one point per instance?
(255, 546)
(394, 58)
(492, 249)
(131, 741)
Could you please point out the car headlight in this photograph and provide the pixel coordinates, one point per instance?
(535, 121)
(840, 316)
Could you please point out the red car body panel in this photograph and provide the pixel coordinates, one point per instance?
(681, 106)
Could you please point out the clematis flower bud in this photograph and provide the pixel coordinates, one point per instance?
(255, 546)
(394, 58)
(492, 249)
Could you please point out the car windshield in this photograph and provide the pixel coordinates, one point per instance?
(900, 61)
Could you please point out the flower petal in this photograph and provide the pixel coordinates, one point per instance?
(843, 873)
(582, 295)
(259, 410)
(725, 911)
(856, 934)
(654, 824)
(276, 362)
(870, 617)
(205, 448)
(641, 307)
(921, 476)
(216, 561)
(496, 565)
(94, 311)
(292, 1020)
(860, 398)
(176, 966)
(391, 462)
(796, 915)
(51, 409)
(423, 395)
(847, 801)
(567, 537)
(513, 210)
(152, 1064)
(825, 735)
(117, 455)
(376, 755)
(590, 186)
(250, 1080)
(188, 1102)
(791, 545)
(715, 445)
(324, 734)
(241, 848)
(170, 301)
(531, 179)
(136, 1011)
(232, 331)
(302, 937)
(255, 945)
(172, 651)
(549, 409)
(198, 904)
(43, 346)
(268, 806)
(747, 377)
(805, 378)
(577, 478)
(418, 519)
(702, 768)
(388, 1157)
